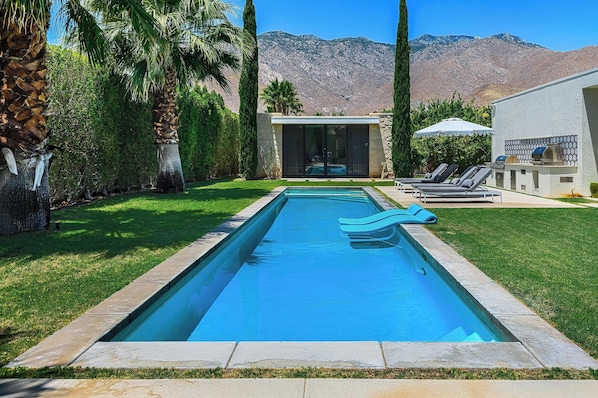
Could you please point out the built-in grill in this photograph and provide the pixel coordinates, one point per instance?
(501, 160)
(547, 155)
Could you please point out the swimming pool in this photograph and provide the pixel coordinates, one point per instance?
(533, 342)
(289, 275)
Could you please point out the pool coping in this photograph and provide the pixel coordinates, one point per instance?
(537, 344)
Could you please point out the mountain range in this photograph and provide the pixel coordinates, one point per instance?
(354, 76)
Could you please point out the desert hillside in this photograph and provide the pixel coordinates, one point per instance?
(354, 76)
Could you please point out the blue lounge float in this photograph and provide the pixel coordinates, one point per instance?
(411, 210)
(384, 228)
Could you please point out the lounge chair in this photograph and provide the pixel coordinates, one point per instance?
(439, 178)
(468, 173)
(477, 194)
(385, 227)
(413, 209)
(428, 176)
(470, 188)
(467, 185)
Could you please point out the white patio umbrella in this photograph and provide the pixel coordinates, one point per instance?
(454, 126)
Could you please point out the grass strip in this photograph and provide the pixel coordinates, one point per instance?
(307, 373)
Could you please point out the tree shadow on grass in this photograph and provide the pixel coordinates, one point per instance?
(126, 223)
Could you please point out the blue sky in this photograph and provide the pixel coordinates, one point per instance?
(557, 25)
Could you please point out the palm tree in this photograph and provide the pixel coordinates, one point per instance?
(281, 97)
(24, 190)
(197, 42)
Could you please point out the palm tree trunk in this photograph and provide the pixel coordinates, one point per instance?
(23, 209)
(24, 189)
(166, 119)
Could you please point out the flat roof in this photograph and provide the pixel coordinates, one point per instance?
(552, 83)
(325, 120)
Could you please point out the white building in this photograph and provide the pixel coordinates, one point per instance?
(324, 146)
(561, 118)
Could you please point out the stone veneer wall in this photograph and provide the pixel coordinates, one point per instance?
(269, 145)
(383, 153)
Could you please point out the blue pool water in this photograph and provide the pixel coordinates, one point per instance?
(291, 276)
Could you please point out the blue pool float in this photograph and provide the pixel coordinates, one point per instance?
(422, 217)
(411, 210)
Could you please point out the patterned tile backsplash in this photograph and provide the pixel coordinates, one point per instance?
(523, 148)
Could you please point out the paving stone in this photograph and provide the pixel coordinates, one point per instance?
(307, 354)
(65, 345)
(157, 355)
(184, 388)
(349, 388)
(547, 344)
(458, 355)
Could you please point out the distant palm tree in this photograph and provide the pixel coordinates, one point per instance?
(197, 42)
(24, 190)
(281, 97)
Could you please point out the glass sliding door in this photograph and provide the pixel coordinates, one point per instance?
(315, 151)
(336, 151)
(325, 151)
(293, 158)
(358, 151)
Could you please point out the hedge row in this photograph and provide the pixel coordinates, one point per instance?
(208, 134)
(104, 142)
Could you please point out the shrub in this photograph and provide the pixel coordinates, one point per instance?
(463, 150)
(103, 141)
(209, 135)
(227, 146)
(82, 159)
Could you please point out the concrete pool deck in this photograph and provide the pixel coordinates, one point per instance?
(509, 199)
(538, 345)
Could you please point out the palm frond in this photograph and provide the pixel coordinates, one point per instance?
(82, 28)
(195, 39)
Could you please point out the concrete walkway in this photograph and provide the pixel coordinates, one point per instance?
(509, 199)
(300, 388)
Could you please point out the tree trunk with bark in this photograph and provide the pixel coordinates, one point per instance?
(166, 120)
(24, 189)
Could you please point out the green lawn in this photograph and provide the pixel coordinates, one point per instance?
(47, 279)
(546, 257)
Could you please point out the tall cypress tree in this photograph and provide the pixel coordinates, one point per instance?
(401, 122)
(248, 94)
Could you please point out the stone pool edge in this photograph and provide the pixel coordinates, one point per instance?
(77, 344)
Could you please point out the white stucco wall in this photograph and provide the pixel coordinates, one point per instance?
(564, 107)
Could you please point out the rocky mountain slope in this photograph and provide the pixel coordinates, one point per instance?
(354, 76)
